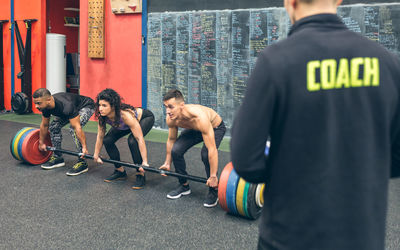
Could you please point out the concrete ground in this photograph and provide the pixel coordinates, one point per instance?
(46, 209)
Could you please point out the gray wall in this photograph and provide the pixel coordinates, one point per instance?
(208, 55)
(188, 5)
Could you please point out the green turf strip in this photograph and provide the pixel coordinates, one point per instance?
(155, 135)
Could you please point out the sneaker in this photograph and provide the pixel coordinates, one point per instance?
(79, 168)
(54, 162)
(116, 176)
(179, 191)
(140, 182)
(211, 199)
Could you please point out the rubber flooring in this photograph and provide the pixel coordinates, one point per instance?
(46, 209)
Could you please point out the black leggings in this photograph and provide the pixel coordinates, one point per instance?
(187, 139)
(113, 135)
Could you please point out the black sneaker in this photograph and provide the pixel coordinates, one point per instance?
(140, 182)
(79, 168)
(54, 162)
(211, 199)
(116, 176)
(179, 191)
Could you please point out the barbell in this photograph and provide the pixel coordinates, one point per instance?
(25, 146)
(131, 165)
(236, 196)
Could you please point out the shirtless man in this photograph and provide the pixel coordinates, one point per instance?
(200, 123)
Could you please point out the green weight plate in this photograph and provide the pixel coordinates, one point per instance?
(14, 143)
(245, 198)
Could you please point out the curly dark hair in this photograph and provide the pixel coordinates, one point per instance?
(116, 102)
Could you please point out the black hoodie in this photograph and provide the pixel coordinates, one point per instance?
(328, 99)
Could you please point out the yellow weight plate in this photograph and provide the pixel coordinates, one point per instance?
(262, 195)
(16, 141)
(239, 196)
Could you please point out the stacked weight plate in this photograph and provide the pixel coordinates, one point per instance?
(237, 196)
(25, 146)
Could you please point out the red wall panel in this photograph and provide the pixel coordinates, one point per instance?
(32, 9)
(121, 68)
(55, 21)
(28, 9)
(5, 15)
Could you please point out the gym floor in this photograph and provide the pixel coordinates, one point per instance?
(46, 209)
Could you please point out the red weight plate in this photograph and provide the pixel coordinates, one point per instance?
(30, 148)
(223, 181)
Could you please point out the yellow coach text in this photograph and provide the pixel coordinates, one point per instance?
(344, 73)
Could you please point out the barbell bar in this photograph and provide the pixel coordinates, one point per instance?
(131, 165)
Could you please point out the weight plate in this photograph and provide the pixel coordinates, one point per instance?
(239, 196)
(19, 103)
(30, 148)
(14, 143)
(231, 192)
(253, 209)
(223, 181)
(245, 198)
(258, 190)
(21, 140)
(262, 195)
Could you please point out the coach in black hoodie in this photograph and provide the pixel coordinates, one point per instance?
(328, 99)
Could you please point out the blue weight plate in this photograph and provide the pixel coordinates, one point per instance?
(231, 191)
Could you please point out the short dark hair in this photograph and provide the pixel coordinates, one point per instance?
(173, 93)
(42, 92)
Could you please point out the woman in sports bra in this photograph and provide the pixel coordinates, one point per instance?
(124, 119)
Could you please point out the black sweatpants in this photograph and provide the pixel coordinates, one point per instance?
(146, 123)
(187, 139)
